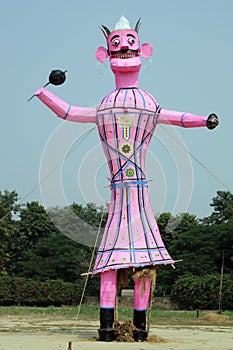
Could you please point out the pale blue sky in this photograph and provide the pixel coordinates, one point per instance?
(191, 70)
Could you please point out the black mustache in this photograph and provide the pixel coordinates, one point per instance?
(123, 51)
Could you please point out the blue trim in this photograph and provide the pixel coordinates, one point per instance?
(103, 112)
(112, 249)
(127, 250)
(157, 115)
(108, 97)
(126, 93)
(129, 265)
(140, 309)
(130, 225)
(67, 113)
(143, 99)
(125, 184)
(181, 120)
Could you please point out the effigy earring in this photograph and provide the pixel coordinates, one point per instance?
(101, 68)
(147, 63)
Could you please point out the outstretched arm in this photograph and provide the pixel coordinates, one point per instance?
(186, 120)
(65, 111)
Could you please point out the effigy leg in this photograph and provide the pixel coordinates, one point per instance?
(108, 288)
(142, 287)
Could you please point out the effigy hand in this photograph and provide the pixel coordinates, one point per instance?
(212, 121)
(56, 77)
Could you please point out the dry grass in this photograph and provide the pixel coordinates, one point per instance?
(216, 318)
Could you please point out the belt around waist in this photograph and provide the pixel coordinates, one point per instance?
(129, 184)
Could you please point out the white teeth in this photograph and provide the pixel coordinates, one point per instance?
(124, 55)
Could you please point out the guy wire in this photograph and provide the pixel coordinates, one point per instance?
(84, 136)
(89, 269)
(196, 159)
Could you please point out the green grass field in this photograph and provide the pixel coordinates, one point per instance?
(91, 312)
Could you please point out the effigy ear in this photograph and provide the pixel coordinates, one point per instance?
(101, 54)
(146, 50)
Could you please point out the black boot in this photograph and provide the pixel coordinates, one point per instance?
(139, 320)
(106, 331)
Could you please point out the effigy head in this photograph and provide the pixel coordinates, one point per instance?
(124, 48)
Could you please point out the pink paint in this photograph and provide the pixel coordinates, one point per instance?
(108, 288)
(65, 111)
(126, 120)
(141, 293)
(101, 54)
(124, 55)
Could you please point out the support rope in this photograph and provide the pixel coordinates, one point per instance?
(196, 159)
(89, 271)
(83, 137)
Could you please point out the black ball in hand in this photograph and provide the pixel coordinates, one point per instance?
(57, 77)
(212, 121)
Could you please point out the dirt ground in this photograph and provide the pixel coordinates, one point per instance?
(27, 333)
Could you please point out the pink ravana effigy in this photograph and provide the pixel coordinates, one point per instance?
(126, 119)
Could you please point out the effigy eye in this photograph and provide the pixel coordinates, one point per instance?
(115, 42)
(131, 41)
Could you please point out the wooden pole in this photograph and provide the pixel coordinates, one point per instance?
(152, 289)
(116, 316)
(220, 287)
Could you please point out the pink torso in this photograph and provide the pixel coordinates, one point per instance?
(126, 119)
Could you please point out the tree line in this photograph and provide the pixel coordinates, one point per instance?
(57, 244)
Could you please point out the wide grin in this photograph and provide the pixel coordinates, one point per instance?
(121, 54)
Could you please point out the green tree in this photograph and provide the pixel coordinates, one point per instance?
(57, 244)
(202, 292)
(8, 226)
(175, 231)
(201, 249)
(184, 222)
(170, 226)
(223, 208)
(80, 223)
(34, 224)
(55, 257)
(224, 245)
(197, 249)
(163, 222)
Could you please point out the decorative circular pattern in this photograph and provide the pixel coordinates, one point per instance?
(129, 172)
(126, 148)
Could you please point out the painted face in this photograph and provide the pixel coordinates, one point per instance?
(124, 50)
(123, 44)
